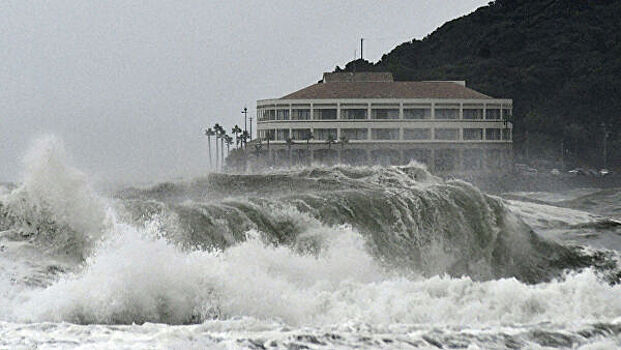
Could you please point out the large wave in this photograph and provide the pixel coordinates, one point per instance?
(307, 247)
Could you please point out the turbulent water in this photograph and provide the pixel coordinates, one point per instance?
(319, 258)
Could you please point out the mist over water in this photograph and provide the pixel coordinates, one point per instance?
(321, 257)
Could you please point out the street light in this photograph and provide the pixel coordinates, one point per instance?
(245, 113)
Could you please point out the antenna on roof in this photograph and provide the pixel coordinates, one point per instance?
(361, 46)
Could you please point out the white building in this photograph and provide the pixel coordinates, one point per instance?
(444, 124)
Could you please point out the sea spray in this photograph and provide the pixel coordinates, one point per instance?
(54, 205)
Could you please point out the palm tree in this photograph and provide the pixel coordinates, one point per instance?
(236, 131)
(290, 143)
(330, 141)
(229, 141)
(343, 140)
(209, 133)
(223, 136)
(217, 129)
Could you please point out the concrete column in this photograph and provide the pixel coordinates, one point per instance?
(369, 110)
(401, 110)
(433, 110)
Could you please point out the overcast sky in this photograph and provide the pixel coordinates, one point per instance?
(129, 85)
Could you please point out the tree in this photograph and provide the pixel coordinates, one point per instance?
(229, 141)
(217, 130)
(209, 133)
(236, 131)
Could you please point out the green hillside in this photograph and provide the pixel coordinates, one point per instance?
(559, 60)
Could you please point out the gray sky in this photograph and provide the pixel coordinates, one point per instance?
(129, 85)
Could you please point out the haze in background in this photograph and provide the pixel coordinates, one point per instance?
(129, 85)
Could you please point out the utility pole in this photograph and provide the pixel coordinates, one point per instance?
(250, 128)
(245, 113)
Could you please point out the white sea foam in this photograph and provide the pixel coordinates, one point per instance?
(135, 279)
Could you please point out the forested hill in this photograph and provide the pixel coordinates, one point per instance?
(559, 60)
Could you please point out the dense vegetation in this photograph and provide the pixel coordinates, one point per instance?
(559, 60)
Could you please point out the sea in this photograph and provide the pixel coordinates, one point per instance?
(335, 257)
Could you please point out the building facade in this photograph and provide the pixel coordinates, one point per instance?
(376, 120)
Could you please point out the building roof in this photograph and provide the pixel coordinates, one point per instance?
(362, 76)
(380, 85)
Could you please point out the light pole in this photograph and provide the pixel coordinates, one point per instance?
(245, 113)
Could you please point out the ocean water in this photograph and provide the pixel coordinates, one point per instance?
(313, 258)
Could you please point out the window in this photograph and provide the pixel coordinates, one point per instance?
(473, 134)
(447, 112)
(473, 113)
(492, 113)
(355, 134)
(417, 134)
(282, 134)
(282, 114)
(324, 114)
(385, 134)
(323, 134)
(416, 113)
(492, 134)
(266, 134)
(506, 134)
(300, 134)
(447, 134)
(300, 114)
(445, 160)
(270, 114)
(354, 113)
(385, 114)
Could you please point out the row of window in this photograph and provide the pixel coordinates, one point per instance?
(469, 134)
(444, 113)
